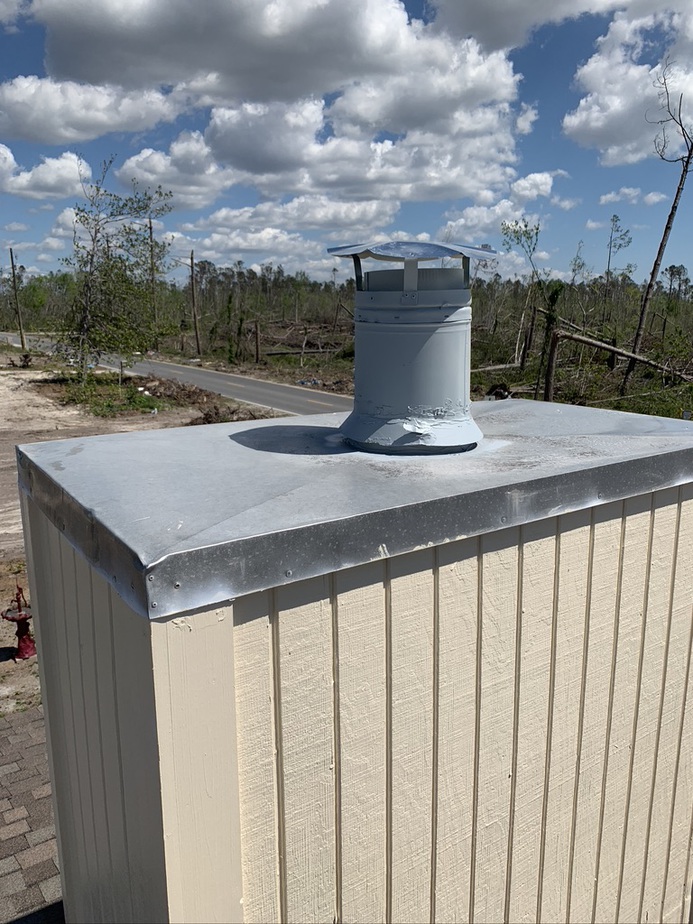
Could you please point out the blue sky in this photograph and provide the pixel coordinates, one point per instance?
(283, 127)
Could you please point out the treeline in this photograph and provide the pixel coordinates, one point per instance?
(212, 310)
(509, 316)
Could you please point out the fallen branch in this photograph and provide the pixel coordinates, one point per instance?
(559, 335)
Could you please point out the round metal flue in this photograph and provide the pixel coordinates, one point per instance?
(412, 350)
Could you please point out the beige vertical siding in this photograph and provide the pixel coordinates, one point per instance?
(196, 730)
(493, 734)
(98, 691)
(304, 691)
(410, 619)
(597, 653)
(497, 729)
(257, 757)
(573, 575)
(675, 883)
(458, 567)
(359, 614)
(531, 682)
(510, 718)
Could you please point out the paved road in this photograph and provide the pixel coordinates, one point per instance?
(289, 399)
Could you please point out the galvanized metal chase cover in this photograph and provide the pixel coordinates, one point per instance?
(396, 251)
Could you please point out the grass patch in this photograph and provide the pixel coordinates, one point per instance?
(105, 396)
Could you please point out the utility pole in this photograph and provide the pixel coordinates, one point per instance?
(194, 303)
(152, 283)
(16, 303)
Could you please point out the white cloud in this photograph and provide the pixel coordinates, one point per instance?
(420, 166)
(508, 23)
(64, 225)
(8, 165)
(334, 124)
(565, 204)
(264, 66)
(54, 178)
(532, 186)
(263, 240)
(477, 223)
(15, 226)
(632, 195)
(255, 50)
(303, 213)
(10, 10)
(189, 171)
(45, 110)
(52, 243)
(265, 138)
(629, 194)
(619, 112)
(653, 198)
(592, 225)
(526, 119)
(334, 113)
(440, 89)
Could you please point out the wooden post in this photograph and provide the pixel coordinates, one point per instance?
(551, 365)
(529, 337)
(194, 303)
(22, 337)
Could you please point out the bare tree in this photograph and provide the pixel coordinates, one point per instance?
(619, 239)
(672, 118)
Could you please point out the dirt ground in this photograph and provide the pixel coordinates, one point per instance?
(28, 415)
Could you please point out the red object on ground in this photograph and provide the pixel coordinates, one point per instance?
(26, 646)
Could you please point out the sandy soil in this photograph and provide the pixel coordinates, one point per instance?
(28, 416)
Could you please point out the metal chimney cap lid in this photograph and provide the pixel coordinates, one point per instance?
(411, 250)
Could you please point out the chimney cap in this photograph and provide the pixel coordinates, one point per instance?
(411, 250)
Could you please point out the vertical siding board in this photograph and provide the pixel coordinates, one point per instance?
(137, 731)
(458, 569)
(361, 622)
(163, 671)
(679, 811)
(635, 553)
(538, 545)
(646, 702)
(305, 640)
(607, 538)
(194, 689)
(254, 719)
(412, 596)
(110, 750)
(570, 624)
(48, 609)
(667, 756)
(73, 594)
(497, 625)
(89, 689)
